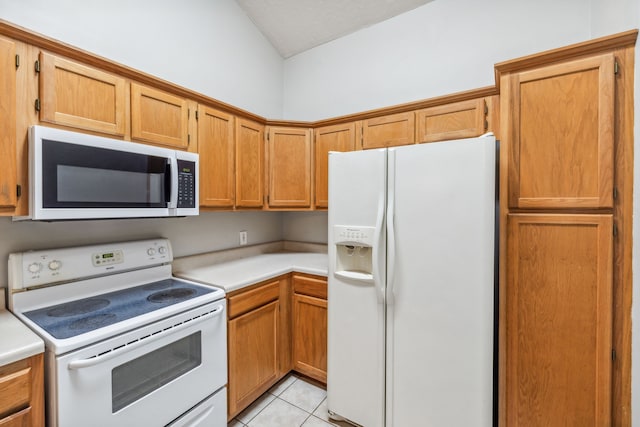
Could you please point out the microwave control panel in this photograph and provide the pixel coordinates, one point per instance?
(186, 184)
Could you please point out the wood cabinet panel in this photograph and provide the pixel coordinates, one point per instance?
(19, 419)
(466, 119)
(249, 164)
(558, 320)
(253, 356)
(329, 138)
(310, 336)
(561, 130)
(75, 95)
(159, 117)
(289, 167)
(389, 131)
(8, 172)
(22, 393)
(240, 303)
(15, 390)
(312, 286)
(216, 147)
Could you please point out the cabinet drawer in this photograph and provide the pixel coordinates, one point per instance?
(315, 287)
(256, 297)
(19, 419)
(15, 391)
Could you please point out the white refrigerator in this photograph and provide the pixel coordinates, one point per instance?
(411, 285)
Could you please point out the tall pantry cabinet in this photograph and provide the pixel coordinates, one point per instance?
(566, 178)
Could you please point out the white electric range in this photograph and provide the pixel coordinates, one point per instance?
(126, 343)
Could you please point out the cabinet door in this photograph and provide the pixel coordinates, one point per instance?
(75, 95)
(310, 336)
(253, 355)
(289, 167)
(216, 147)
(558, 320)
(466, 119)
(249, 164)
(561, 120)
(159, 117)
(8, 172)
(330, 138)
(389, 131)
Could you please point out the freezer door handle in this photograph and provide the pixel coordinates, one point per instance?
(391, 233)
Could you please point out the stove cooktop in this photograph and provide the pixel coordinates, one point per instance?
(84, 315)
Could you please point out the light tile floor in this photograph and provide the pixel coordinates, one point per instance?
(293, 402)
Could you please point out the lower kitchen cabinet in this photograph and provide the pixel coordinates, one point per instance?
(558, 320)
(310, 326)
(22, 393)
(254, 343)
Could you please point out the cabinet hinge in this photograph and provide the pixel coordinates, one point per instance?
(188, 138)
(615, 230)
(613, 354)
(486, 124)
(188, 113)
(486, 108)
(37, 66)
(18, 191)
(197, 115)
(615, 193)
(37, 104)
(17, 61)
(616, 67)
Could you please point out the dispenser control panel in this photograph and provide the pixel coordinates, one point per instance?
(354, 235)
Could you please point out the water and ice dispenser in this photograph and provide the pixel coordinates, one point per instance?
(354, 247)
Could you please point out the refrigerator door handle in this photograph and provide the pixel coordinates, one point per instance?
(391, 234)
(378, 281)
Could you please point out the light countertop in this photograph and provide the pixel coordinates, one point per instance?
(236, 274)
(17, 341)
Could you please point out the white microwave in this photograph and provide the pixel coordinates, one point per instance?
(79, 176)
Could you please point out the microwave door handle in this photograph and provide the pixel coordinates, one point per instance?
(96, 360)
(172, 188)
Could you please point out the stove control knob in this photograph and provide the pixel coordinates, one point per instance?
(54, 265)
(162, 250)
(151, 251)
(34, 267)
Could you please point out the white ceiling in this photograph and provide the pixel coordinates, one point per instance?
(293, 26)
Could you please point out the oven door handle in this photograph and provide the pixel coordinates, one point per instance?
(110, 354)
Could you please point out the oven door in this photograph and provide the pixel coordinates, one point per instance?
(149, 376)
(75, 176)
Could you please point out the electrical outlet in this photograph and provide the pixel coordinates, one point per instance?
(243, 238)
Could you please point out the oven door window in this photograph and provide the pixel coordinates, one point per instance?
(139, 377)
(75, 176)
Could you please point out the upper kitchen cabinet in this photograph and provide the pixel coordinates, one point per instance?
(560, 127)
(388, 131)
(8, 173)
(159, 117)
(289, 167)
(82, 97)
(466, 119)
(249, 164)
(329, 138)
(216, 147)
